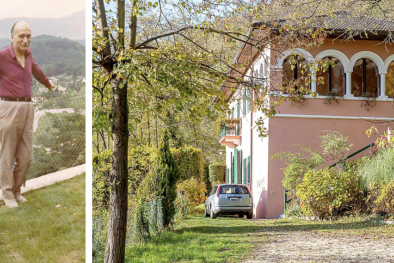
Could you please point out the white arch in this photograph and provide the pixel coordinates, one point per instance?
(338, 55)
(370, 55)
(305, 54)
(388, 62)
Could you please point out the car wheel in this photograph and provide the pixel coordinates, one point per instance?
(249, 216)
(213, 215)
(206, 212)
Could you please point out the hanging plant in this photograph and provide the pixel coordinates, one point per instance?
(368, 100)
(332, 96)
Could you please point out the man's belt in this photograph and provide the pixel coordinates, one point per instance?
(21, 99)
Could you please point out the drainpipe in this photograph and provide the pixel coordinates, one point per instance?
(251, 145)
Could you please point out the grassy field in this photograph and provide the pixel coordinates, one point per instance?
(50, 227)
(230, 239)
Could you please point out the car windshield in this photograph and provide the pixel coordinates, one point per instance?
(233, 189)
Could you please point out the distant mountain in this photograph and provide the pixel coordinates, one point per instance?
(72, 27)
(4, 42)
(58, 55)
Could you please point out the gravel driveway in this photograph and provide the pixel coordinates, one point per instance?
(311, 246)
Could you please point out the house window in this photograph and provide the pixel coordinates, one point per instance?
(333, 79)
(365, 78)
(390, 81)
(295, 69)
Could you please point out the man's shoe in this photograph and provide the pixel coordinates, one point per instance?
(21, 199)
(10, 203)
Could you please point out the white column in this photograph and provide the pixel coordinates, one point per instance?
(348, 93)
(313, 82)
(383, 86)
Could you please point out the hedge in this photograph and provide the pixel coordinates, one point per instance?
(217, 173)
(190, 162)
(206, 179)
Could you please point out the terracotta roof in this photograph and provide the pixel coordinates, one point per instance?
(343, 21)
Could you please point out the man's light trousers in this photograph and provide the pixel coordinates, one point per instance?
(16, 150)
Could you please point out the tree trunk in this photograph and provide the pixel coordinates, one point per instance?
(116, 238)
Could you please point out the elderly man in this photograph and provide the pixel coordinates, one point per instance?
(16, 112)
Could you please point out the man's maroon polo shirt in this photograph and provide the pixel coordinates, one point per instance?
(15, 81)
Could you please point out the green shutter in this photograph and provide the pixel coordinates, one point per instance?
(249, 170)
(238, 109)
(244, 173)
(228, 175)
(235, 178)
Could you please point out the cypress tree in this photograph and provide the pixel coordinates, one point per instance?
(167, 173)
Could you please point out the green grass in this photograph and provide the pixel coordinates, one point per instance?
(38, 231)
(230, 239)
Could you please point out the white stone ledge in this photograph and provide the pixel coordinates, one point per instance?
(300, 116)
(51, 178)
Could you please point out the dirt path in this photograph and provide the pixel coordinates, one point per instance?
(314, 247)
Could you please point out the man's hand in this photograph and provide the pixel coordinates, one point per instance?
(52, 86)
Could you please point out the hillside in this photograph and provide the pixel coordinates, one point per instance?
(56, 55)
(72, 27)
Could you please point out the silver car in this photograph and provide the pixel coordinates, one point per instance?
(229, 199)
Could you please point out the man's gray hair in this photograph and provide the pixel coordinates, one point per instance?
(12, 29)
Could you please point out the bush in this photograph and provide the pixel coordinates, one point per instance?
(206, 178)
(193, 190)
(328, 192)
(190, 162)
(182, 205)
(217, 173)
(379, 169)
(160, 183)
(140, 161)
(381, 198)
(296, 166)
(293, 210)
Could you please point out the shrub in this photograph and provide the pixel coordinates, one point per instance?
(293, 210)
(190, 162)
(206, 178)
(328, 192)
(379, 169)
(160, 183)
(217, 173)
(182, 205)
(296, 166)
(334, 145)
(140, 161)
(193, 190)
(381, 198)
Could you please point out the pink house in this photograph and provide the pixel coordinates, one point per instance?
(364, 69)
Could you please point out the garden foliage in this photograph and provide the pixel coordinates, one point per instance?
(190, 162)
(160, 183)
(379, 169)
(296, 166)
(194, 190)
(327, 192)
(217, 173)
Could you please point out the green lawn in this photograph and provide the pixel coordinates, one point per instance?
(50, 227)
(229, 239)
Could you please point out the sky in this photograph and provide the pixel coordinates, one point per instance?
(40, 8)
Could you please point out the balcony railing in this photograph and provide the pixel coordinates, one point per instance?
(230, 135)
(230, 131)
